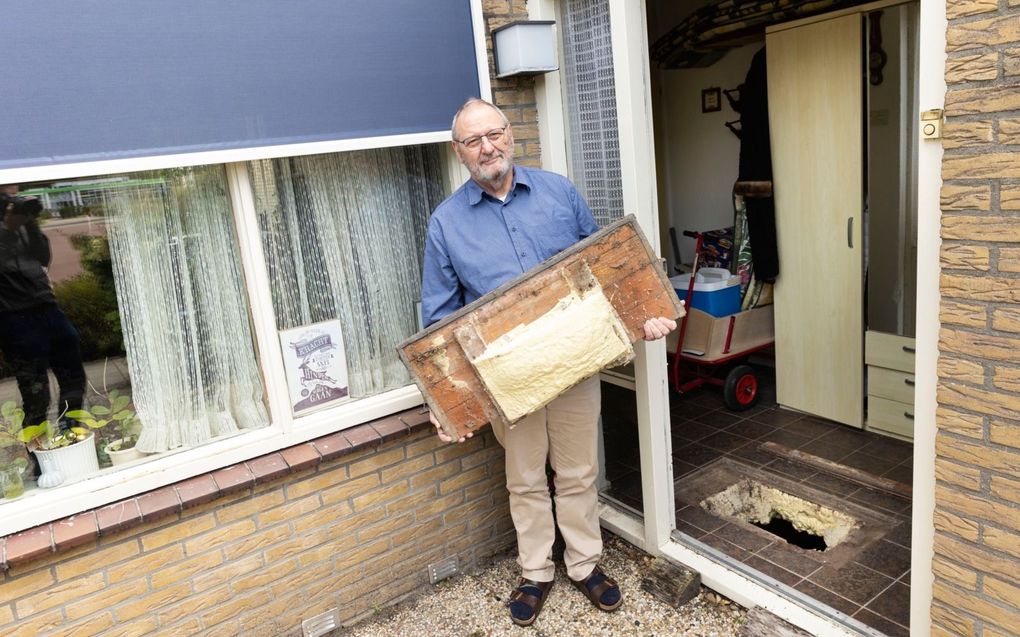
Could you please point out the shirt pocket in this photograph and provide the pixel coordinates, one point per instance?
(559, 230)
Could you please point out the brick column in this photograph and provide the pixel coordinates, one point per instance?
(515, 95)
(977, 516)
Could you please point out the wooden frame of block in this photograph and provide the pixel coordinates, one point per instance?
(619, 257)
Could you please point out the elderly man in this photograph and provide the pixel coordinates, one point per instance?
(504, 221)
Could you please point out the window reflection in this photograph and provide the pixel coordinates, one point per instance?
(124, 325)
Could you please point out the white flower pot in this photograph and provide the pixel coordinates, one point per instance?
(65, 465)
(122, 456)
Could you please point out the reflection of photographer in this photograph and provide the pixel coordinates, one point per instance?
(34, 334)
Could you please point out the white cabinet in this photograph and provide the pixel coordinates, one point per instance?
(844, 142)
(890, 361)
(815, 115)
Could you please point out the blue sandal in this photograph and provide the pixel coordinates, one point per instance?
(526, 601)
(601, 589)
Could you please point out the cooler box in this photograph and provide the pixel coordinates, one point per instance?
(716, 290)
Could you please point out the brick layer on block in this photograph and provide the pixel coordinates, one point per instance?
(171, 500)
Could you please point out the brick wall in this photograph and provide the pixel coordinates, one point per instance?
(356, 533)
(977, 516)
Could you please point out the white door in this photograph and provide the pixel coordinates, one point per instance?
(815, 115)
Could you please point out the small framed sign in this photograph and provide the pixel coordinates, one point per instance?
(316, 366)
(711, 100)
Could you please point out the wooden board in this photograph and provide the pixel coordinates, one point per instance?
(618, 256)
(706, 335)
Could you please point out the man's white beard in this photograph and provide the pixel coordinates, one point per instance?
(493, 174)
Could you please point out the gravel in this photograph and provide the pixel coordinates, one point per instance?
(474, 605)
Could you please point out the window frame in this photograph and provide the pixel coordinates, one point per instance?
(284, 430)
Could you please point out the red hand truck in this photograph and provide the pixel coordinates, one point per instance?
(728, 370)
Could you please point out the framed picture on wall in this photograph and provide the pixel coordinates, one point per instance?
(316, 366)
(711, 100)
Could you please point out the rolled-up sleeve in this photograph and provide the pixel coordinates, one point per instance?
(441, 291)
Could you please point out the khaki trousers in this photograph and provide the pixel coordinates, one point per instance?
(565, 431)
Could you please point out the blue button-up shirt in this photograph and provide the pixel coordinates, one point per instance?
(476, 242)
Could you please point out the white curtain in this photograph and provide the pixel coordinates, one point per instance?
(183, 308)
(343, 236)
(591, 107)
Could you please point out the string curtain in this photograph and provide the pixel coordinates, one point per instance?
(183, 308)
(591, 107)
(343, 236)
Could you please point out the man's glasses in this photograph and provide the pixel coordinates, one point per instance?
(494, 136)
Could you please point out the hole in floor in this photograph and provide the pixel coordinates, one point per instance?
(784, 529)
(796, 520)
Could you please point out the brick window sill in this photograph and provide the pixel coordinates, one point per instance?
(87, 526)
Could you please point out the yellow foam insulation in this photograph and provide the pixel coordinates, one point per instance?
(754, 502)
(532, 364)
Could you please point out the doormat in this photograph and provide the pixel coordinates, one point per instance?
(811, 522)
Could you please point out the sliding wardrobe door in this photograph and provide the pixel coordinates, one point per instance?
(815, 114)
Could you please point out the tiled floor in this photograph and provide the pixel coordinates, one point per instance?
(874, 587)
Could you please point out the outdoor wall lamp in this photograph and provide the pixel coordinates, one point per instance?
(524, 48)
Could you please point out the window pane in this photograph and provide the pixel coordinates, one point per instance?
(343, 236)
(591, 106)
(123, 313)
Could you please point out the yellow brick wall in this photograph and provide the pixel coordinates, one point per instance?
(977, 517)
(356, 534)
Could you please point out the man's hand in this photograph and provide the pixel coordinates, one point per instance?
(656, 328)
(442, 434)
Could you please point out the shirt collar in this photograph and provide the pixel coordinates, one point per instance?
(475, 192)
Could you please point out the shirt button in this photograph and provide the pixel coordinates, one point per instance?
(524, 254)
(513, 229)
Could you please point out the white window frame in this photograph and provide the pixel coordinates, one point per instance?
(41, 506)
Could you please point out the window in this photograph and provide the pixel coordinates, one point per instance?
(123, 317)
(124, 310)
(343, 236)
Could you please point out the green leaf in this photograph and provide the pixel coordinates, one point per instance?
(114, 395)
(8, 409)
(99, 410)
(78, 414)
(118, 404)
(28, 434)
(124, 415)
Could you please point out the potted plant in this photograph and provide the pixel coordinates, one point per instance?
(12, 453)
(64, 456)
(113, 409)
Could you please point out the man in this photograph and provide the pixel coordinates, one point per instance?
(504, 221)
(35, 335)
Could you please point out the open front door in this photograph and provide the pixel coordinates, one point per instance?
(815, 114)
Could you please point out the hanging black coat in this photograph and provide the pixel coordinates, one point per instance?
(756, 165)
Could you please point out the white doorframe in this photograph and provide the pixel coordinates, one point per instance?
(931, 94)
(629, 35)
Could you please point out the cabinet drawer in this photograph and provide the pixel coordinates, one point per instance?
(889, 350)
(890, 416)
(891, 384)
